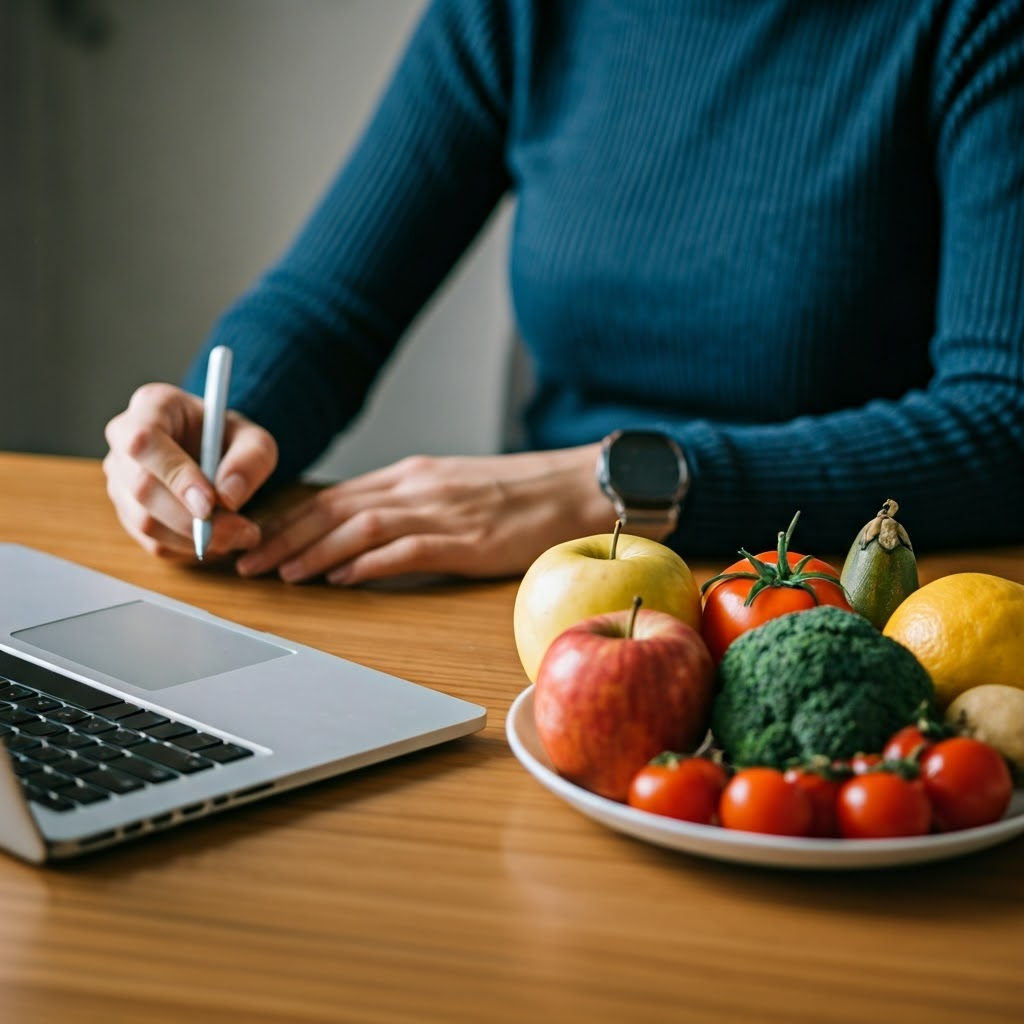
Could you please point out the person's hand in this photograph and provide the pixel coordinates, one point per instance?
(479, 516)
(156, 485)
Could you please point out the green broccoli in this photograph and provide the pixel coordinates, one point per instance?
(822, 682)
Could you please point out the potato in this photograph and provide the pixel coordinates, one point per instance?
(994, 714)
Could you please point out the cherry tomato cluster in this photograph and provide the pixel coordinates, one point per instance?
(916, 785)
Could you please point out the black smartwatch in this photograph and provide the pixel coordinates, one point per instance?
(645, 475)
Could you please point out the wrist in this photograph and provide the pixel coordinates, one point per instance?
(644, 476)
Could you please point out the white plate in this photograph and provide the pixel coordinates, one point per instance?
(747, 847)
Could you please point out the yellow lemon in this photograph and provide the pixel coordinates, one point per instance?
(966, 629)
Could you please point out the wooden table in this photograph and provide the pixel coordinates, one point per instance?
(449, 886)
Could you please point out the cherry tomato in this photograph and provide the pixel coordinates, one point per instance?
(761, 587)
(822, 793)
(687, 788)
(761, 800)
(879, 805)
(967, 781)
(862, 763)
(909, 741)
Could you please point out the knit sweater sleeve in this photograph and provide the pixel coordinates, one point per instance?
(951, 454)
(311, 335)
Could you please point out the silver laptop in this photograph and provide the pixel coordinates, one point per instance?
(124, 712)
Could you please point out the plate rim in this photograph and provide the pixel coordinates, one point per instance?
(717, 843)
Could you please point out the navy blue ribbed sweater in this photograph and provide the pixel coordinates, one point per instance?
(790, 232)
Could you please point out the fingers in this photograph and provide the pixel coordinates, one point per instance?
(475, 516)
(156, 486)
(160, 524)
(160, 431)
(291, 533)
(372, 544)
(250, 456)
(433, 525)
(412, 554)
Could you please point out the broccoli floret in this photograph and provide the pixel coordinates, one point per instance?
(822, 682)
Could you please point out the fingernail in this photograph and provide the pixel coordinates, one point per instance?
(249, 565)
(233, 490)
(251, 536)
(290, 572)
(340, 576)
(198, 503)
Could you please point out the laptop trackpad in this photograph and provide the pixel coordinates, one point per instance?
(149, 646)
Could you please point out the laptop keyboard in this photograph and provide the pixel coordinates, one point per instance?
(73, 744)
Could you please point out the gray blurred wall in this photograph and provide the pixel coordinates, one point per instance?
(155, 157)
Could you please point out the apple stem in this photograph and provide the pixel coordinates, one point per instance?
(615, 538)
(637, 601)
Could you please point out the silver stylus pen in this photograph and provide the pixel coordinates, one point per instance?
(215, 404)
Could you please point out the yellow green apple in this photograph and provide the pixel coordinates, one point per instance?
(594, 575)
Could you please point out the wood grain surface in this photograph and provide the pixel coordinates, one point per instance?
(448, 885)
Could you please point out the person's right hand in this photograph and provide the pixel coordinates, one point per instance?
(156, 484)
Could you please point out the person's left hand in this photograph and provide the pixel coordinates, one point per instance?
(478, 516)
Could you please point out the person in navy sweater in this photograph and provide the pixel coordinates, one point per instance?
(788, 236)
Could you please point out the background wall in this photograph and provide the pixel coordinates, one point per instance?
(156, 156)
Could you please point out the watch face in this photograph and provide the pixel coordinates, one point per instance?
(644, 469)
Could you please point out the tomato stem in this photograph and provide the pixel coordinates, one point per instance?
(668, 759)
(790, 528)
(781, 574)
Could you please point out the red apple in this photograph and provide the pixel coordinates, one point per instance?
(615, 690)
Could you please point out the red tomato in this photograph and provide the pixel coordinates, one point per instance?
(761, 800)
(879, 805)
(687, 788)
(967, 782)
(762, 587)
(862, 763)
(909, 741)
(822, 793)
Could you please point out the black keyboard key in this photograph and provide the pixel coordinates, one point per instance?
(23, 767)
(83, 794)
(169, 731)
(23, 743)
(143, 720)
(123, 738)
(45, 754)
(50, 800)
(38, 705)
(42, 727)
(17, 716)
(225, 752)
(70, 691)
(112, 781)
(169, 757)
(56, 763)
(75, 765)
(72, 740)
(196, 741)
(101, 752)
(145, 770)
(65, 785)
(122, 709)
(67, 716)
(6, 730)
(93, 726)
(12, 691)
